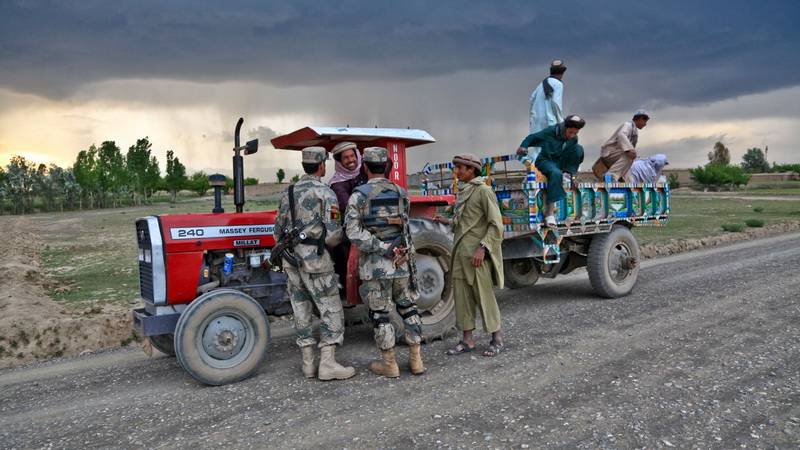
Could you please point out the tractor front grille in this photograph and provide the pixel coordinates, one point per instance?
(152, 283)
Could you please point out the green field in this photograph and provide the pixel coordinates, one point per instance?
(694, 216)
(91, 256)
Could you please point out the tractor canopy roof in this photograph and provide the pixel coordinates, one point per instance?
(328, 137)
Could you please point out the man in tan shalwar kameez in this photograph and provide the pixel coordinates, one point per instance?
(477, 261)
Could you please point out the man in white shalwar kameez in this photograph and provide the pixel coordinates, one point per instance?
(546, 103)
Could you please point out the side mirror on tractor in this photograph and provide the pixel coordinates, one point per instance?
(251, 147)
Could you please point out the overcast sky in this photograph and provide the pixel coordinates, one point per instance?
(77, 73)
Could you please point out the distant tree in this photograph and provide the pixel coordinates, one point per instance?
(673, 181)
(111, 173)
(175, 178)
(295, 178)
(720, 155)
(152, 177)
(719, 176)
(86, 175)
(3, 190)
(754, 161)
(70, 189)
(199, 183)
(250, 181)
(137, 162)
(280, 175)
(41, 187)
(20, 175)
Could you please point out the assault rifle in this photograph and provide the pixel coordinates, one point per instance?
(283, 248)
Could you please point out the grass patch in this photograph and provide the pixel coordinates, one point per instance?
(91, 256)
(758, 209)
(733, 227)
(695, 217)
(754, 223)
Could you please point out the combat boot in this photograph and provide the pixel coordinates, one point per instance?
(386, 366)
(329, 369)
(415, 359)
(309, 368)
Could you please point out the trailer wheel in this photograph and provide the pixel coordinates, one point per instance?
(520, 273)
(613, 262)
(165, 343)
(436, 303)
(222, 337)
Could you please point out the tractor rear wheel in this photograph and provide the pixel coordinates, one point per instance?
(222, 337)
(436, 304)
(613, 262)
(165, 343)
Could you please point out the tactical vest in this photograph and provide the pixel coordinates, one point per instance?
(384, 216)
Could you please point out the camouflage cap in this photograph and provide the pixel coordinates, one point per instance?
(313, 155)
(376, 155)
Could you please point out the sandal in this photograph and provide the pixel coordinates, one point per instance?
(493, 350)
(461, 347)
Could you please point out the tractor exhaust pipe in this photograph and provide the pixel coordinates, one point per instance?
(238, 170)
(238, 165)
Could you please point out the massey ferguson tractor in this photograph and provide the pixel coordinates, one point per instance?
(208, 288)
(207, 285)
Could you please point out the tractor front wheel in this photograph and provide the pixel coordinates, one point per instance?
(222, 337)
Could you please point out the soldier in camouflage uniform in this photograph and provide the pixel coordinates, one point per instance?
(376, 216)
(313, 281)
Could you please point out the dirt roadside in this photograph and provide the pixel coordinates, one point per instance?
(33, 326)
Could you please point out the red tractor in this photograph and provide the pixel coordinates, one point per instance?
(207, 285)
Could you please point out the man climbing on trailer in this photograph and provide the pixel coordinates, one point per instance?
(559, 159)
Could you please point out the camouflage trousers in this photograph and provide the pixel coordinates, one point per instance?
(307, 290)
(380, 295)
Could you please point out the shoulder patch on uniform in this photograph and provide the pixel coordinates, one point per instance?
(335, 214)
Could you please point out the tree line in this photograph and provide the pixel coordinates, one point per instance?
(101, 177)
(720, 173)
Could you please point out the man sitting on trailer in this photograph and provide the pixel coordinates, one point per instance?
(619, 151)
(559, 159)
(648, 170)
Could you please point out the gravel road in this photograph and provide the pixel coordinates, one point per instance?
(703, 354)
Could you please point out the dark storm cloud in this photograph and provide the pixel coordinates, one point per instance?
(644, 52)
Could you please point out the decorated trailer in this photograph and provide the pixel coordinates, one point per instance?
(594, 223)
